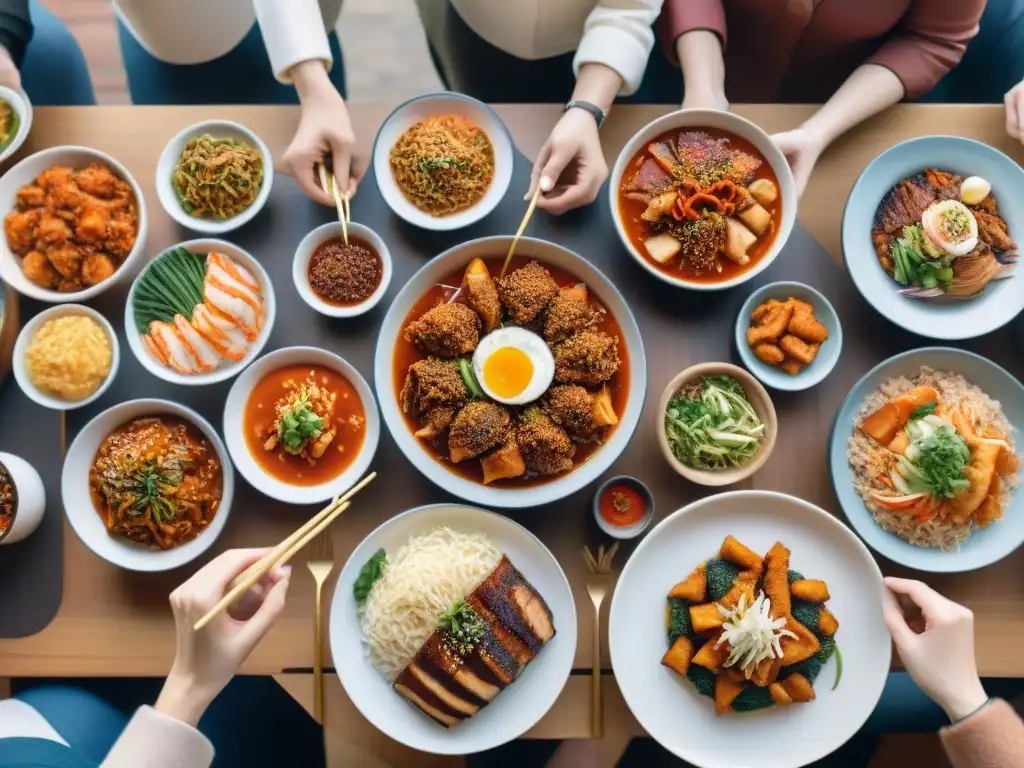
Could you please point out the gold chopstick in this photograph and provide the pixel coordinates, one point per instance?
(339, 203)
(519, 232)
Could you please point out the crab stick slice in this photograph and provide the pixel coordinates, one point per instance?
(149, 343)
(173, 348)
(223, 335)
(205, 355)
(236, 302)
(226, 270)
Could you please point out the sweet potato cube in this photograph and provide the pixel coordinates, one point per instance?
(738, 554)
(776, 580)
(828, 624)
(678, 657)
(726, 691)
(766, 672)
(706, 617)
(779, 695)
(744, 585)
(893, 416)
(802, 648)
(811, 590)
(799, 688)
(710, 657)
(694, 588)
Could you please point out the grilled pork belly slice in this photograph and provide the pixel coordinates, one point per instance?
(516, 623)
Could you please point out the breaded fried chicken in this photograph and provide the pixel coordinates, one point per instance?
(571, 407)
(567, 315)
(545, 447)
(477, 428)
(588, 358)
(526, 292)
(448, 330)
(433, 392)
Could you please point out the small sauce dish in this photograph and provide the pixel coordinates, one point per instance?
(623, 507)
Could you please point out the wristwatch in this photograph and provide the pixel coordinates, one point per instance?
(599, 114)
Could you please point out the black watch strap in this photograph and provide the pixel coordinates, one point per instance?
(598, 113)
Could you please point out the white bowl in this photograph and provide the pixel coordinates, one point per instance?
(517, 708)
(300, 269)
(25, 172)
(414, 449)
(695, 119)
(29, 498)
(666, 704)
(234, 426)
(227, 368)
(220, 129)
(21, 374)
(418, 108)
(86, 521)
(23, 108)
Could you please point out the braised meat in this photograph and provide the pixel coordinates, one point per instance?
(993, 231)
(526, 292)
(433, 392)
(588, 358)
(447, 330)
(477, 428)
(569, 313)
(904, 204)
(572, 408)
(545, 447)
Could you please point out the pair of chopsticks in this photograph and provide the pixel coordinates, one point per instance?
(284, 551)
(329, 183)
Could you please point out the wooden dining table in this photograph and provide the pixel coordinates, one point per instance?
(113, 623)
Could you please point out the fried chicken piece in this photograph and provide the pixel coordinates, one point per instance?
(806, 326)
(93, 224)
(572, 408)
(447, 330)
(67, 259)
(568, 313)
(767, 352)
(52, 230)
(96, 268)
(798, 349)
(545, 447)
(431, 387)
(476, 429)
(96, 179)
(588, 358)
(69, 284)
(481, 294)
(58, 175)
(121, 234)
(20, 229)
(993, 231)
(771, 327)
(30, 196)
(526, 292)
(39, 270)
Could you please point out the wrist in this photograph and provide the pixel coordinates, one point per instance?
(965, 701)
(184, 698)
(310, 79)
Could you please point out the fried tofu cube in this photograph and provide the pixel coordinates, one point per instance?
(776, 580)
(706, 617)
(791, 367)
(798, 349)
(800, 305)
(811, 590)
(756, 218)
(710, 657)
(762, 311)
(726, 691)
(768, 353)
(678, 657)
(806, 326)
(828, 624)
(799, 688)
(694, 588)
(772, 327)
(738, 554)
(802, 648)
(779, 695)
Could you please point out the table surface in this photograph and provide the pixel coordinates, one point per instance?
(120, 623)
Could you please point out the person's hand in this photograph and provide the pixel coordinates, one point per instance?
(570, 167)
(696, 100)
(802, 149)
(935, 640)
(324, 135)
(206, 660)
(1014, 101)
(9, 74)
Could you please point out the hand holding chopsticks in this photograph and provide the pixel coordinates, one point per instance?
(329, 182)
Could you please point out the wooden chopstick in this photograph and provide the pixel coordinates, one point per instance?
(519, 233)
(339, 203)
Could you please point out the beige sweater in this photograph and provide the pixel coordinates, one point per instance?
(993, 737)
(152, 740)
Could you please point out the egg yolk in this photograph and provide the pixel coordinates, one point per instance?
(507, 372)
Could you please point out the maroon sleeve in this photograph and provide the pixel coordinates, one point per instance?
(929, 41)
(993, 737)
(681, 16)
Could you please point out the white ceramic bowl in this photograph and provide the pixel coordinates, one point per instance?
(695, 119)
(29, 498)
(20, 367)
(86, 521)
(517, 708)
(219, 129)
(23, 109)
(667, 705)
(227, 368)
(458, 258)
(300, 269)
(24, 173)
(418, 108)
(234, 426)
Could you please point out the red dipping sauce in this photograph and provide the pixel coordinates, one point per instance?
(622, 504)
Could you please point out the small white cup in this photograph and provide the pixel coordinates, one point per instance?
(29, 498)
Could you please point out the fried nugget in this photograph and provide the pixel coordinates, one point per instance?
(805, 326)
(19, 228)
(572, 408)
(526, 292)
(767, 352)
(447, 330)
(92, 226)
(792, 367)
(39, 270)
(545, 447)
(772, 327)
(96, 179)
(52, 230)
(30, 196)
(96, 268)
(476, 429)
(67, 259)
(798, 349)
(588, 358)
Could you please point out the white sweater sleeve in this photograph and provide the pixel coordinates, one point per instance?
(293, 31)
(618, 34)
(153, 740)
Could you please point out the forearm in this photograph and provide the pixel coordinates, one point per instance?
(866, 92)
(184, 699)
(700, 59)
(311, 80)
(597, 84)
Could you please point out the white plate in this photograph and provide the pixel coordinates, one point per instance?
(86, 521)
(420, 108)
(234, 426)
(24, 173)
(518, 707)
(227, 368)
(667, 705)
(219, 129)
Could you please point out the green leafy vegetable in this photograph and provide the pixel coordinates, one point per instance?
(431, 164)
(935, 461)
(299, 424)
(154, 487)
(703, 679)
(916, 261)
(171, 285)
(678, 619)
(469, 379)
(462, 628)
(925, 410)
(369, 575)
(721, 575)
(712, 425)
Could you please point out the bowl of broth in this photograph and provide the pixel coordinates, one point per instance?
(301, 425)
(703, 199)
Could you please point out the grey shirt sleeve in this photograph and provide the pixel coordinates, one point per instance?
(15, 28)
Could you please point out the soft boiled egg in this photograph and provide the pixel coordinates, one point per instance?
(513, 365)
(951, 226)
(974, 189)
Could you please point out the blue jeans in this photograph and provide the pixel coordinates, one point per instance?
(54, 72)
(241, 76)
